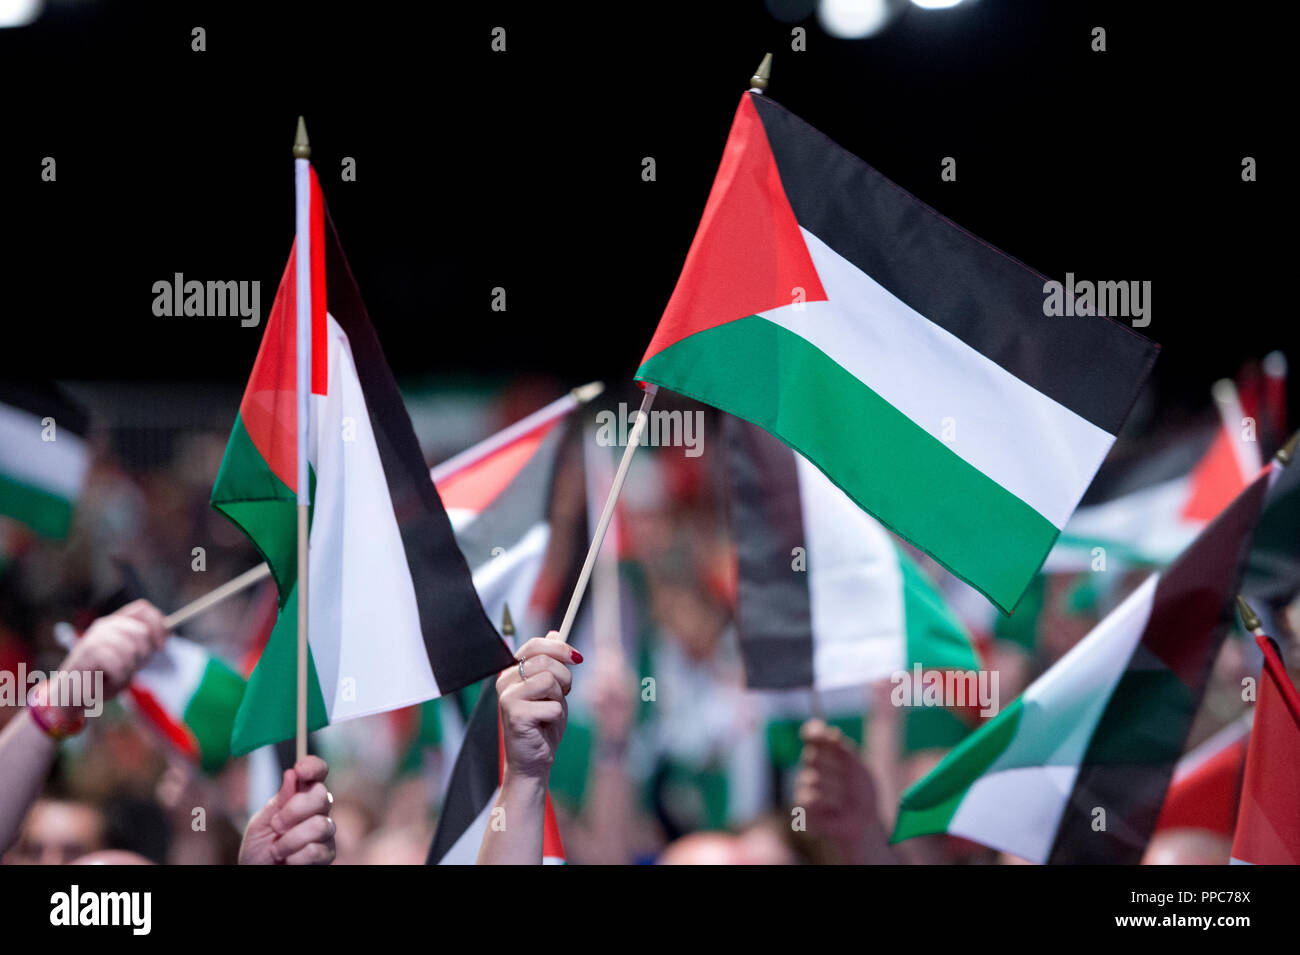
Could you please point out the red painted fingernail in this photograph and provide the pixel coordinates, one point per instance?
(577, 657)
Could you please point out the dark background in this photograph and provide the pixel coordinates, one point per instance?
(522, 169)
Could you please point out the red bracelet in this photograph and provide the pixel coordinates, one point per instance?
(53, 720)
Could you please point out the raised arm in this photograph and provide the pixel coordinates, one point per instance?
(114, 646)
(533, 715)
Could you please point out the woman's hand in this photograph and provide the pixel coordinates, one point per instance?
(533, 714)
(295, 827)
(533, 708)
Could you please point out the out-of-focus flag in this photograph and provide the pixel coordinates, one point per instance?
(472, 793)
(191, 697)
(1104, 726)
(393, 616)
(1207, 783)
(827, 598)
(1149, 511)
(1273, 572)
(498, 495)
(910, 361)
(43, 457)
(1268, 821)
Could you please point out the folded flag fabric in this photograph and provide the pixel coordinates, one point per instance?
(393, 616)
(907, 359)
(1206, 786)
(190, 697)
(497, 495)
(827, 598)
(472, 793)
(43, 457)
(1268, 820)
(1075, 770)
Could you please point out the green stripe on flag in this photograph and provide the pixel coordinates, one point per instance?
(210, 714)
(268, 712)
(250, 495)
(936, 639)
(43, 511)
(929, 805)
(914, 483)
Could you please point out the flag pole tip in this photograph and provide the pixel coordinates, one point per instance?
(1248, 616)
(1224, 391)
(585, 393)
(1286, 453)
(758, 82)
(301, 144)
(507, 624)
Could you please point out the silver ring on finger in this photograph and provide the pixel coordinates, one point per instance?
(522, 674)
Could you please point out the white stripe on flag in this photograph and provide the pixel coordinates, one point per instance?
(855, 586)
(57, 466)
(1039, 450)
(366, 640)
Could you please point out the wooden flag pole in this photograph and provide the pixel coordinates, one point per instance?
(303, 255)
(212, 598)
(757, 83)
(643, 416)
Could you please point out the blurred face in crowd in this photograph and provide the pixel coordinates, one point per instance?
(690, 617)
(57, 832)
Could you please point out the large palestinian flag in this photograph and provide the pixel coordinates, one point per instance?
(472, 793)
(43, 457)
(393, 616)
(1268, 822)
(1075, 770)
(904, 357)
(826, 597)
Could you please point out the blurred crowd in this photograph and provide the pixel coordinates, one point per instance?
(667, 757)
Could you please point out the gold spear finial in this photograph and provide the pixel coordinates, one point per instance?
(1286, 454)
(758, 82)
(301, 144)
(1248, 616)
(507, 624)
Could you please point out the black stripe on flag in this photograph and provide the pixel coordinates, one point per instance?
(1092, 365)
(774, 615)
(462, 644)
(1130, 759)
(475, 777)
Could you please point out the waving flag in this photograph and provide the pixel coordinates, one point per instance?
(498, 495)
(43, 457)
(394, 619)
(1149, 511)
(1103, 727)
(827, 599)
(191, 697)
(1268, 822)
(905, 358)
